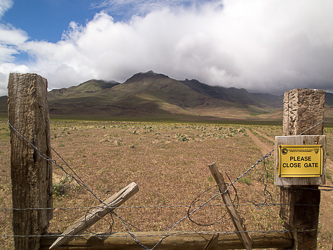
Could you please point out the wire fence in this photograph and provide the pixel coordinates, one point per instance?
(197, 204)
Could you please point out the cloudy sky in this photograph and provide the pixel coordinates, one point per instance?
(261, 45)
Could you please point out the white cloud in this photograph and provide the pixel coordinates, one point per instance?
(128, 8)
(266, 46)
(7, 53)
(5, 5)
(10, 39)
(12, 36)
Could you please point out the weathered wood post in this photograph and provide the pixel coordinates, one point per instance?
(31, 175)
(303, 108)
(236, 219)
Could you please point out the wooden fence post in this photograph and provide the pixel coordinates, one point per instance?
(303, 108)
(236, 219)
(31, 175)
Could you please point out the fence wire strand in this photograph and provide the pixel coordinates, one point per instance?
(76, 177)
(251, 204)
(161, 234)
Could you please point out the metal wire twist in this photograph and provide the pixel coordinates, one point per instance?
(82, 183)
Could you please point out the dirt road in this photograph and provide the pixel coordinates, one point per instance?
(265, 148)
(325, 229)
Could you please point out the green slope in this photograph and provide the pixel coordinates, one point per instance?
(151, 94)
(239, 97)
(86, 89)
(3, 106)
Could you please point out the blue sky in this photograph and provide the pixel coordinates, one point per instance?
(47, 19)
(262, 46)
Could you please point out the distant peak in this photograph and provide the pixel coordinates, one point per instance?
(140, 76)
(150, 73)
(192, 80)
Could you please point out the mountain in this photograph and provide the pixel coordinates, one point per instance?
(329, 99)
(85, 89)
(234, 95)
(3, 106)
(152, 95)
(156, 96)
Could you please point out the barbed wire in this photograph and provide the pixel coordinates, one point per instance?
(168, 233)
(215, 196)
(161, 234)
(171, 206)
(78, 180)
(311, 127)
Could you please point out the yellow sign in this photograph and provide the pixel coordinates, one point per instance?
(300, 161)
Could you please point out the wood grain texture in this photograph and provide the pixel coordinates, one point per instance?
(236, 219)
(175, 241)
(96, 214)
(30, 174)
(212, 243)
(303, 108)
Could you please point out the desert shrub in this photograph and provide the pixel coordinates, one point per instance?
(241, 130)
(59, 189)
(183, 138)
(245, 180)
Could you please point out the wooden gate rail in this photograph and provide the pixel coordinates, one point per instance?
(176, 240)
(31, 179)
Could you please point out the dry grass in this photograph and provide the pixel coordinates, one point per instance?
(169, 164)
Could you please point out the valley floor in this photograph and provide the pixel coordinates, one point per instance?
(168, 161)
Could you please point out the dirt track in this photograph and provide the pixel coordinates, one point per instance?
(265, 148)
(326, 204)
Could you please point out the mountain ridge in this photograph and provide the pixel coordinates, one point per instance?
(153, 95)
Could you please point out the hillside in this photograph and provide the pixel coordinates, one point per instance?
(3, 106)
(237, 96)
(156, 96)
(85, 89)
(151, 95)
